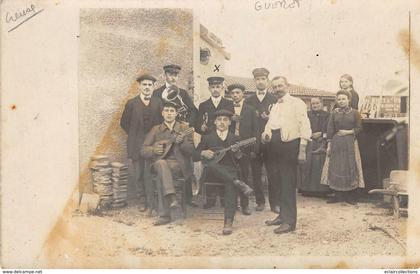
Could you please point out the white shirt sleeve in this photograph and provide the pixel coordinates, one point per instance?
(304, 124)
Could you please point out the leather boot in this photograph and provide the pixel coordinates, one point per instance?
(227, 229)
(244, 188)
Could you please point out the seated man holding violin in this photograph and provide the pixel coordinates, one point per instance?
(219, 152)
(169, 147)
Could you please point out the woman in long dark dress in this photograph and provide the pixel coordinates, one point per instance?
(315, 151)
(343, 170)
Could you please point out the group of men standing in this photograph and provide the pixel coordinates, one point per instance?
(159, 125)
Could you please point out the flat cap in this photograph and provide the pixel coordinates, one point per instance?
(146, 77)
(215, 80)
(222, 112)
(260, 72)
(169, 104)
(235, 86)
(172, 68)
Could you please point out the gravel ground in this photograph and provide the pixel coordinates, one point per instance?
(119, 238)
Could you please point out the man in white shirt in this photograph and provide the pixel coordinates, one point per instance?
(288, 129)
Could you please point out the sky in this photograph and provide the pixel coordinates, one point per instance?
(314, 44)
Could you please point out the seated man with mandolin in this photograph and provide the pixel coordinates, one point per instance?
(219, 152)
(169, 146)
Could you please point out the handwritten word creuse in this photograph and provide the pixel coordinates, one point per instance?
(19, 14)
(282, 4)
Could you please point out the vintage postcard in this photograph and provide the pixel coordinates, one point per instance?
(210, 134)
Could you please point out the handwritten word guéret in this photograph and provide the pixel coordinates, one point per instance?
(19, 14)
(281, 4)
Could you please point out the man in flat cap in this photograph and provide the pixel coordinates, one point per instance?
(226, 170)
(262, 101)
(140, 114)
(175, 163)
(170, 91)
(246, 126)
(206, 109)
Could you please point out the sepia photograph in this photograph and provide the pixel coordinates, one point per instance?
(210, 134)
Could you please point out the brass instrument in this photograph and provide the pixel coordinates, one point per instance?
(171, 94)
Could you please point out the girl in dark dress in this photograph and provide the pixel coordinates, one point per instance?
(343, 169)
(346, 84)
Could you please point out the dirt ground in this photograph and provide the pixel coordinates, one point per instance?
(119, 236)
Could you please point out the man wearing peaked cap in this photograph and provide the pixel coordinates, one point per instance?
(246, 126)
(262, 101)
(215, 80)
(172, 68)
(146, 77)
(206, 109)
(140, 114)
(223, 112)
(225, 170)
(258, 72)
(186, 109)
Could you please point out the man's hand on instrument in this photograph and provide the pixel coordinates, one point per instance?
(266, 137)
(204, 128)
(207, 154)
(158, 149)
(179, 139)
(235, 148)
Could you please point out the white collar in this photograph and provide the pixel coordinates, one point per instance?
(261, 96)
(146, 102)
(285, 97)
(222, 134)
(216, 101)
(170, 126)
(241, 103)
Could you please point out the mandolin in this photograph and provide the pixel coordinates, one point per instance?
(168, 143)
(219, 153)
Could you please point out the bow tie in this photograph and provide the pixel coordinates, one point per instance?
(261, 92)
(147, 98)
(237, 104)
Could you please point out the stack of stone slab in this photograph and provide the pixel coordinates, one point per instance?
(119, 184)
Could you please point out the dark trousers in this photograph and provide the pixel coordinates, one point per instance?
(264, 157)
(225, 174)
(140, 179)
(244, 164)
(166, 171)
(286, 163)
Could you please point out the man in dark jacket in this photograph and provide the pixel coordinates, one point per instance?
(206, 109)
(262, 101)
(246, 126)
(175, 163)
(140, 114)
(226, 170)
(187, 112)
